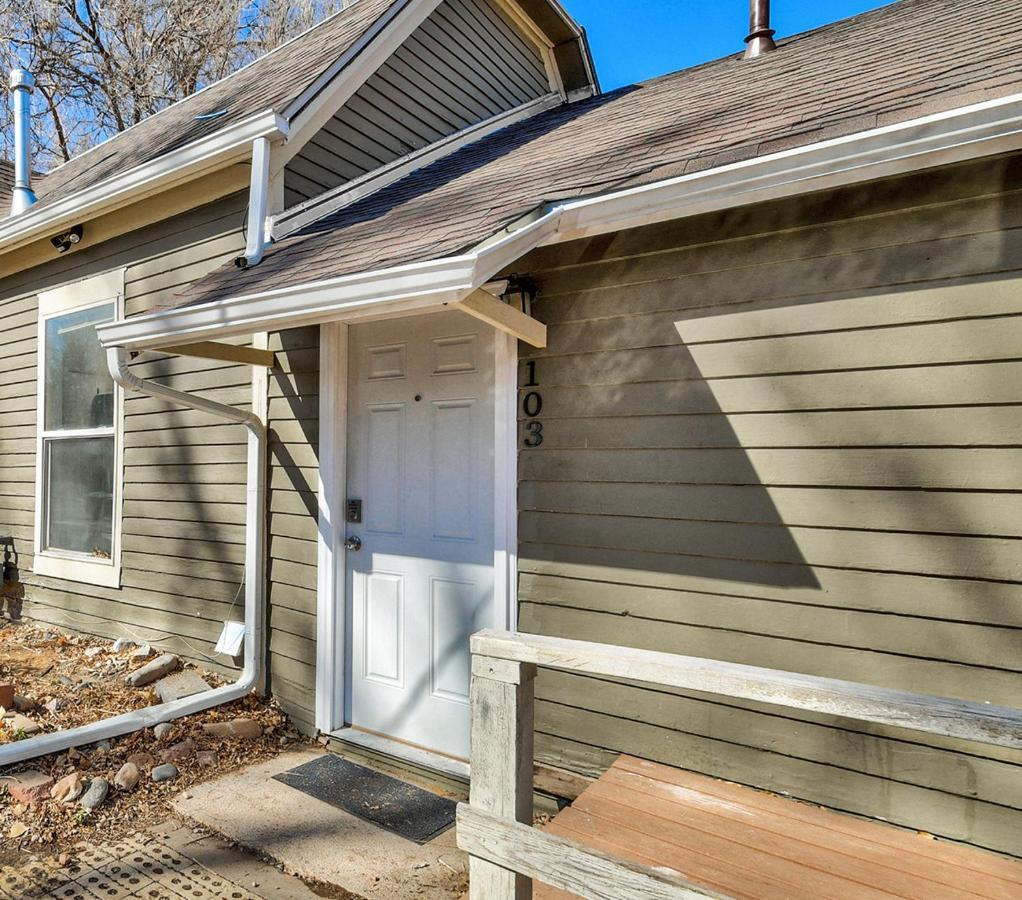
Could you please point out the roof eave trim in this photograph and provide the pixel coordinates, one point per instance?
(983, 129)
(193, 159)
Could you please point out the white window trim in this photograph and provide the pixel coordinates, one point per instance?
(80, 295)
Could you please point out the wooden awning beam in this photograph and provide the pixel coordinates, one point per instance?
(489, 309)
(249, 356)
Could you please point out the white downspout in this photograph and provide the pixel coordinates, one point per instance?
(258, 204)
(253, 674)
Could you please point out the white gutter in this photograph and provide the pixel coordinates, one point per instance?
(983, 129)
(229, 145)
(257, 230)
(253, 674)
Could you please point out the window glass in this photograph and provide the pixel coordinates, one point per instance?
(80, 494)
(79, 389)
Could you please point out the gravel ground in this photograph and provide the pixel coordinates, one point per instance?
(85, 676)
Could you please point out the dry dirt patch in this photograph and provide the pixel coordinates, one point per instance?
(45, 665)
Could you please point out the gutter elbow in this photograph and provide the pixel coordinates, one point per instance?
(117, 359)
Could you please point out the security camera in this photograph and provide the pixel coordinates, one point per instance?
(64, 242)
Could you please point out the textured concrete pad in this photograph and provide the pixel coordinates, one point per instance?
(170, 864)
(320, 842)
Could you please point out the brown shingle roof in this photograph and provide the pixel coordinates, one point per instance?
(901, 61)
(271, 82)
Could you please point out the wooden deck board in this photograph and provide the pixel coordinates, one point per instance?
(750, 844)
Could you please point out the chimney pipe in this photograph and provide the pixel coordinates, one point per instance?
(22, 83)
(761, 35)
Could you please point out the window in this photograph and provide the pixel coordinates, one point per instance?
(78, 472)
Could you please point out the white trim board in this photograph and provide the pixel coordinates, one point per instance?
(983, 129)
(233, 144)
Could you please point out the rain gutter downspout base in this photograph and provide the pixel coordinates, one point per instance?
(254, 672)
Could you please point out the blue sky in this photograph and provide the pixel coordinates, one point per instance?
(633, 40)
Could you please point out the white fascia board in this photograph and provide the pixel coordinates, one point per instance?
(984, 129)
(350, 296)
(971, 132)
(230, 144)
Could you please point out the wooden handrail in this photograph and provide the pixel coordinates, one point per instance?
(944, 716)
(505, 854)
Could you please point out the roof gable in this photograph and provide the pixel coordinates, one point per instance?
(883, 67)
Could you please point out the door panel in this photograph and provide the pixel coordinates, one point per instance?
(421, 460)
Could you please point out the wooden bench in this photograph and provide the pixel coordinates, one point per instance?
(649, 831)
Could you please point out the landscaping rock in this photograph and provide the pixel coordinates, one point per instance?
(164, 773)
(96, 794)
(64, 680)
(180, 684)
(6, 695)
(163, 731)
(205, 758)
(122, 644)
(243, 729)
(127, 777)
(24, 724)
(103, 746)
(178, 752)
(162, 665)
(54, 706)
(22, 704)
(142, 652)
(68, 789)
(30, 787)
(93, 651)
(142, 761)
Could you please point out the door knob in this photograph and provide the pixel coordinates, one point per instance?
(353, 543)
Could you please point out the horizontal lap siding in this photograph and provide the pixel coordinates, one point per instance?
(293, 521)
(821, 472)
(464, 64)
(184, 486)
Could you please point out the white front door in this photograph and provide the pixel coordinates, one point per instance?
(421, 479)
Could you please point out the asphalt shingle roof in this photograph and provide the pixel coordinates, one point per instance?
(271, 82)
(895, 63)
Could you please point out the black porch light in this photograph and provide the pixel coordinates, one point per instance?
(519, 294)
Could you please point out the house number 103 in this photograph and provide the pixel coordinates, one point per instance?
(532, 406)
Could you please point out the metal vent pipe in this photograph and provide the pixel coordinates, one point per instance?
(761, 35)
(22, 84)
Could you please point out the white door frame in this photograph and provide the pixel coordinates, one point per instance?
(331, 663)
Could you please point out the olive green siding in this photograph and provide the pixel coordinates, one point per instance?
(293, 520)
(823, 476)
(184, 473)
(467, 62)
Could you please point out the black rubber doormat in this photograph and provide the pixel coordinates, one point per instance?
(403, 808)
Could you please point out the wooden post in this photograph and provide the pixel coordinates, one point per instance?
(502, 696)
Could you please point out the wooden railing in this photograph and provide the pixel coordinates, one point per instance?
(494, 827)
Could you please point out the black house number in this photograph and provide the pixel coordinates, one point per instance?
(532, 406)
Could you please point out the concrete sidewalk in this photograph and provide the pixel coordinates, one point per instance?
(320, 842)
